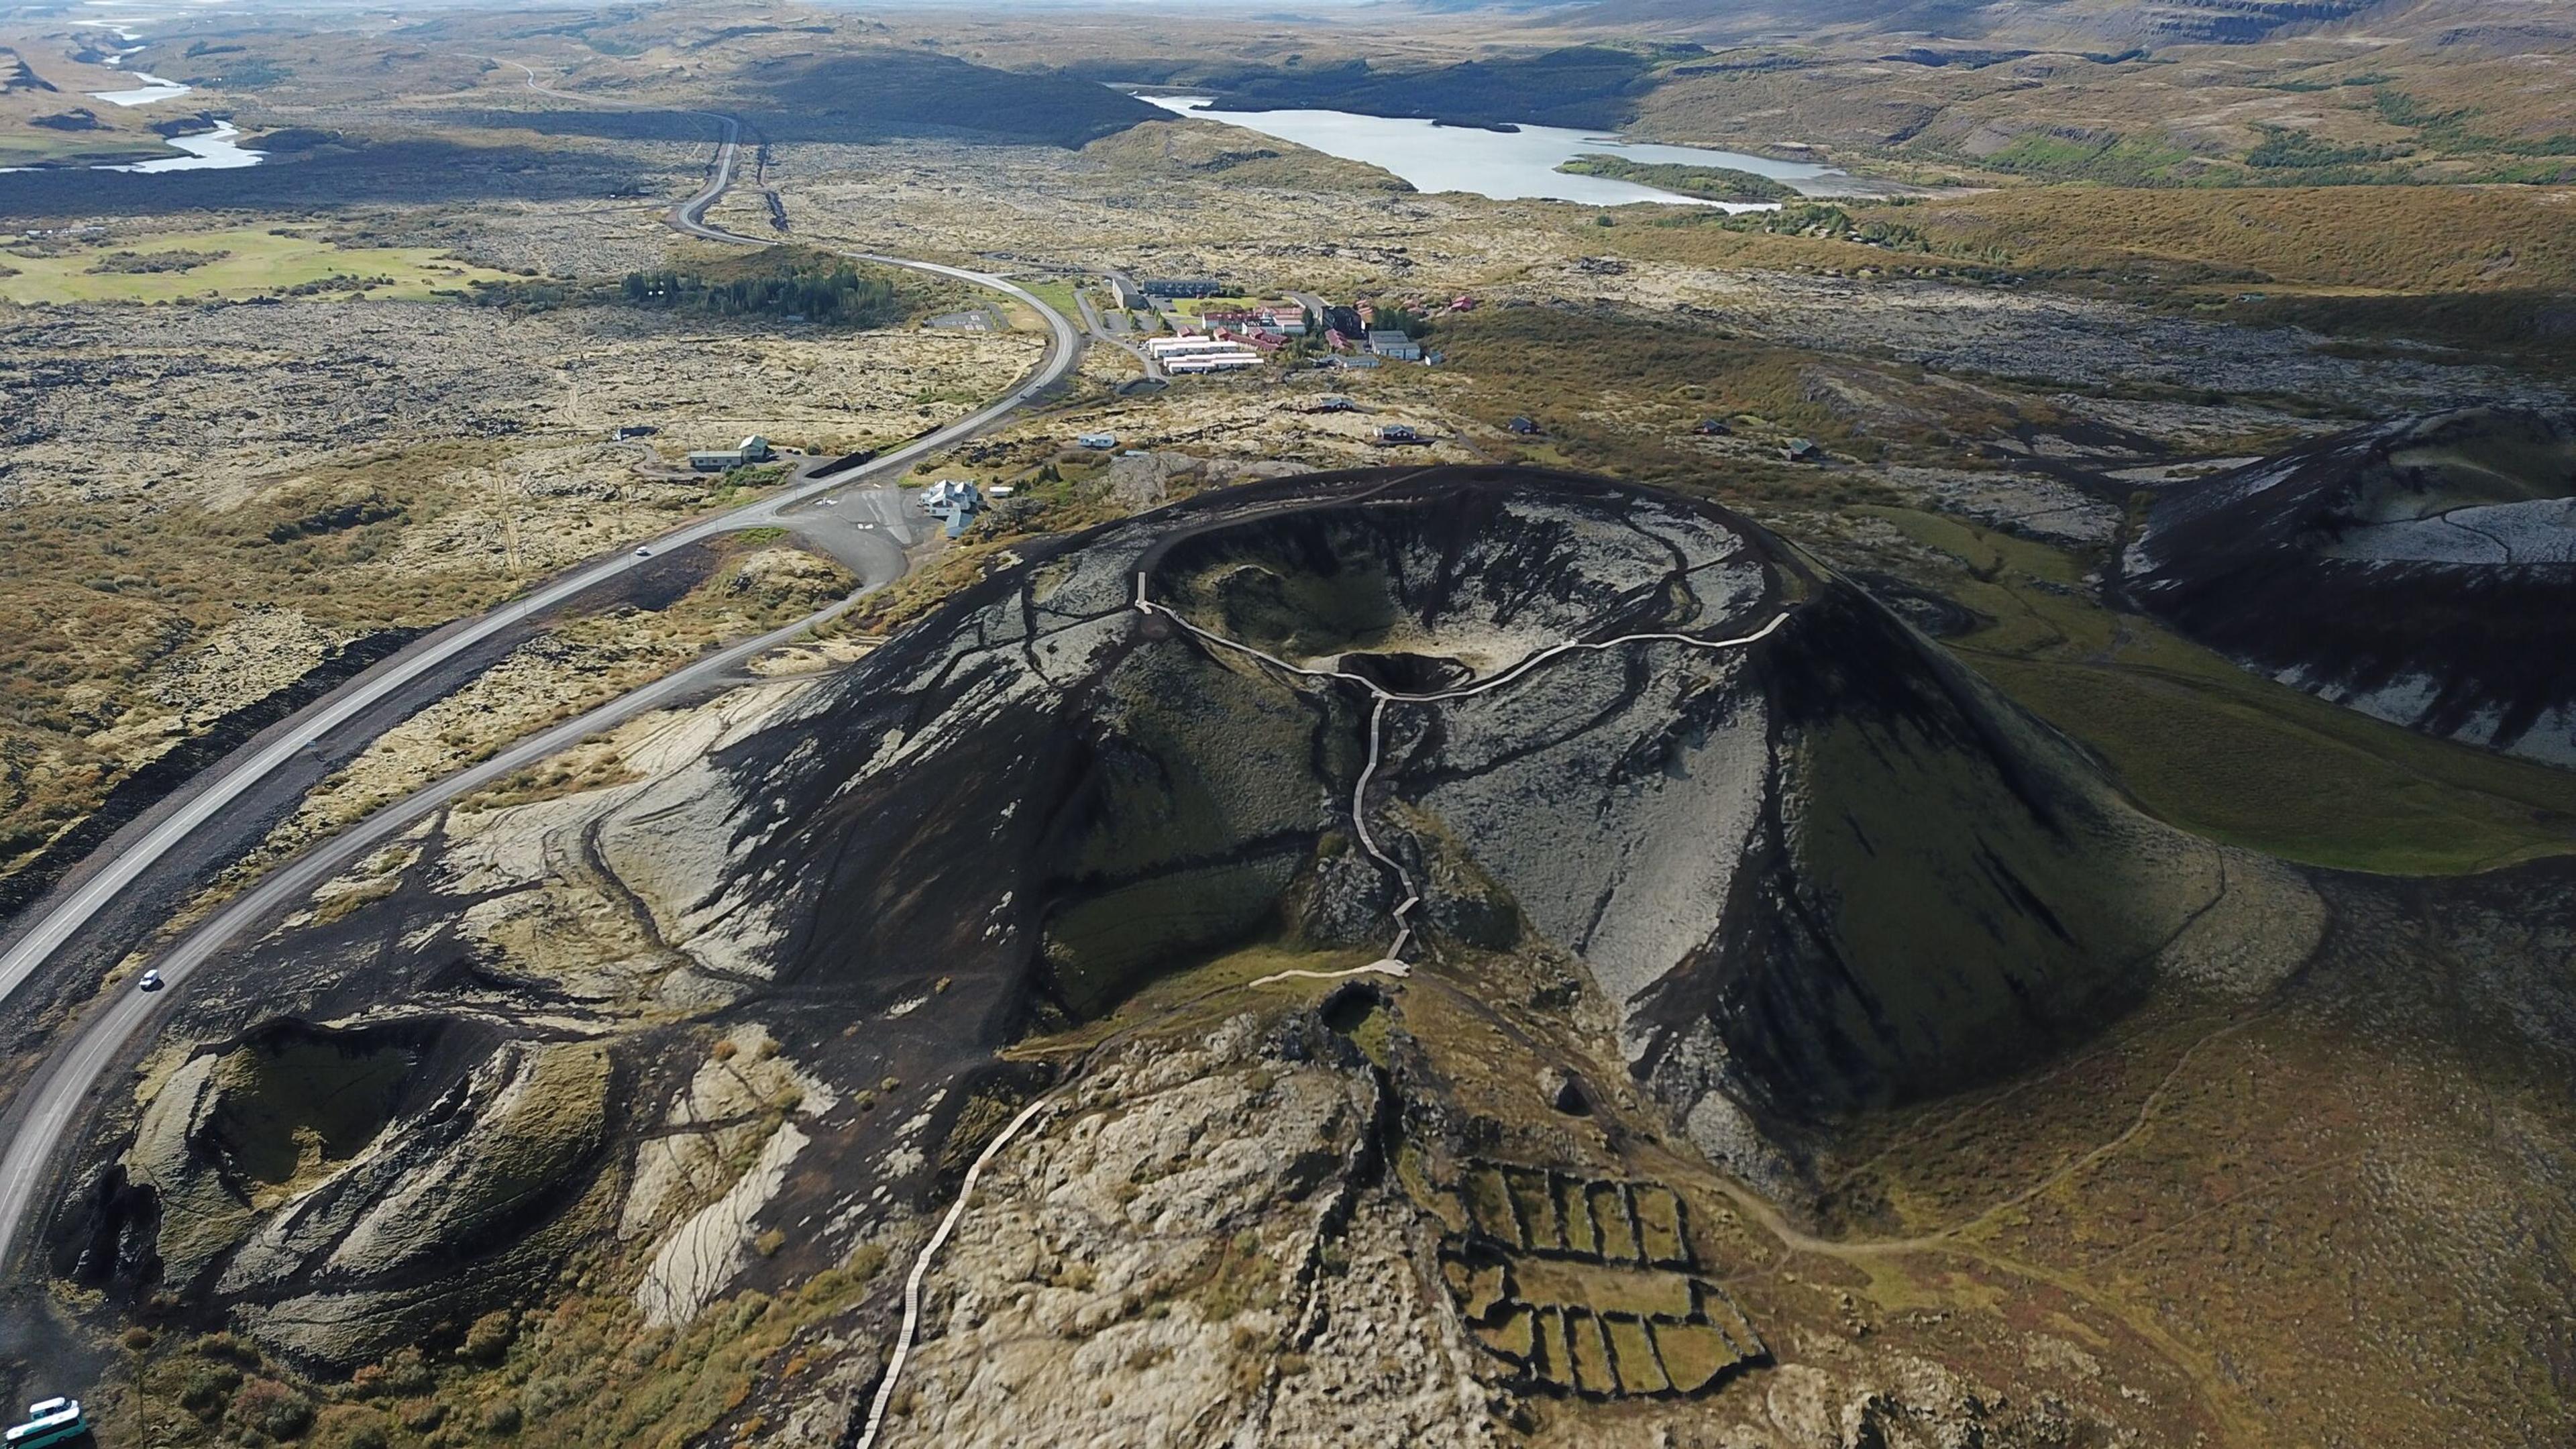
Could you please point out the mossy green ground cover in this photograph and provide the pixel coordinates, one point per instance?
(1058, 295)
(43, 147)
(2224, 752)
(258, 261)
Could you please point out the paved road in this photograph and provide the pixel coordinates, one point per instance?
(54, 1105)
(1091, 320)
(35, 1131)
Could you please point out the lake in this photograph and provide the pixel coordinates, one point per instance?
(1504, 165)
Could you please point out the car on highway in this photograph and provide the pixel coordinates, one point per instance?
(642, 552)
(151, 981)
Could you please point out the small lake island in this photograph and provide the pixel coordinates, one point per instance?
(1708, 183)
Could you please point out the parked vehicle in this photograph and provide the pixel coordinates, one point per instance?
(49, 1421)
(151, 982)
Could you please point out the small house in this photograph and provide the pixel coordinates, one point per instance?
(1398, 433)
(955, 500)
(1711, 428)
(1525, 427)
(947, 494)
(1101, 442)
(1802, 450)
(1394, 345)
(754, 449)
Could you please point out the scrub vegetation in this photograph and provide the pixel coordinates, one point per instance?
(118, 265)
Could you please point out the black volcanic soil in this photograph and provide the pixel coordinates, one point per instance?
(1795, 878)
(2422, 571)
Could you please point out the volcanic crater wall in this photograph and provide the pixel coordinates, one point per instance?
(2421, 571)
(1816, 872)
(1810, 865)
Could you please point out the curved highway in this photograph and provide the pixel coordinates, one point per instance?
(49, 1108)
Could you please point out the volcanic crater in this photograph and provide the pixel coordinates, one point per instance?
(1686, 792)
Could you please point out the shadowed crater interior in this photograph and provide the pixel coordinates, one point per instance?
(1423, 591)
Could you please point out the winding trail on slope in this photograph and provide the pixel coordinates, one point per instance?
(42, 1118)
(1384, 697)
(1392, 964)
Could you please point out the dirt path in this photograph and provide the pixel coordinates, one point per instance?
(1392, 964)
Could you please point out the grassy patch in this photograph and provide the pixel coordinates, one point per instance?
(1207, 993)
(2114, 159)
(40, 146)
(2226, 753)
(1058, 295)
(2408, 239)
(232, 263)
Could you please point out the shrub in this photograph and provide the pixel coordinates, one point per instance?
(226, 1346)
(204, 1387)
(407, 1372)
(348, 1426)
(490, 1336)
(268, 1407)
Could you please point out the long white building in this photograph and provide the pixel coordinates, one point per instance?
(1200, 354)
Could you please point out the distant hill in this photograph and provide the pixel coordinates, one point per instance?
(2174, 21)
(866, 94)
(1584, 85)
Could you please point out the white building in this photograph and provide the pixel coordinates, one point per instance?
(1200, 354)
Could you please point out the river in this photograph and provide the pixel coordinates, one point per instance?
(1505, 165)
(215, 150)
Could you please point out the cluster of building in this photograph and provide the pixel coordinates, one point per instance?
(1243, 334)
(954, 500)
(1360, 327)
(1223, 339)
